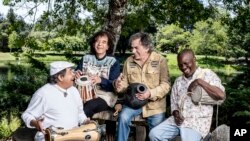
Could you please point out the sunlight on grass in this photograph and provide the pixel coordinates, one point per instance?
(217, 64)
(6, 57)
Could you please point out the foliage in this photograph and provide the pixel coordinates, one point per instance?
(121, 17)
(14, 26)
(14, 40)
(209, 37)
(70, 46)
(23, 80)
(171, 37)
(239, 30)
(9, 124)
(237, 106)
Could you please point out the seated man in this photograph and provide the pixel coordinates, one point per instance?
(192, 122)
(149, 68)
(102, 68)
(57, 103)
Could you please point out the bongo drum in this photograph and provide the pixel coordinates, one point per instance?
(86, 132)
(200, 96)
(86, 89)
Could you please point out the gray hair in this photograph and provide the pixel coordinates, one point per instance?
(53, 79)
(145, 40)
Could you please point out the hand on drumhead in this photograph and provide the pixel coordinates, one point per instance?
(78, 73)
(95, 79)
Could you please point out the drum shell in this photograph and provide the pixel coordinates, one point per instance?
(87, 132)
(86, 89)
(200, 96)
(130, 98)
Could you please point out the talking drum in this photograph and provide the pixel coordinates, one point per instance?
(87, 132)
(200, 96)
(85, 88)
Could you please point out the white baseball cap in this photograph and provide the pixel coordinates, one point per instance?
(57, 66)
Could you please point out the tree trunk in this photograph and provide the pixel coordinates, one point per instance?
(115, 19)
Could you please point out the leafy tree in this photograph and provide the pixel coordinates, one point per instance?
(171, 37)
(239, 40)
(210, 38)
(239, 29)
(120, 17)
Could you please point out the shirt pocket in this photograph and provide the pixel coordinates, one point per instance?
(134, 75)
(152, 76)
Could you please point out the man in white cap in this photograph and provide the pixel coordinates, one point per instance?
(57, 103)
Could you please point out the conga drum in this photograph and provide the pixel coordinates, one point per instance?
(87, 132)
(86, 89)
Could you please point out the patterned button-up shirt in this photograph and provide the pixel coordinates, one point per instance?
(197, 117)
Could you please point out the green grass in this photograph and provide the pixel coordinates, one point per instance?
(172, 65)
(6, 57)
(214, 63)
(217, 64)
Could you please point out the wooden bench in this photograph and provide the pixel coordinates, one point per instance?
(111, 123)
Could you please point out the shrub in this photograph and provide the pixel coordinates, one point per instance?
(9, 124)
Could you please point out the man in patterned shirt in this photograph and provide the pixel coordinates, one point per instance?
(192, 122)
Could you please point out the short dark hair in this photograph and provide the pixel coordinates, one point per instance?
(53, 79)
(190, 51)
(100, 34)
(144, 38)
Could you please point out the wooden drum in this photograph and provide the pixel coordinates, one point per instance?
(87, 132)
(85, 88)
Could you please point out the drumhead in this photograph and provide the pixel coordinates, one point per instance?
(83, 81)
(196, 94)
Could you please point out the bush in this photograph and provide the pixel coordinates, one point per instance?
(9, 124)
(18, 86)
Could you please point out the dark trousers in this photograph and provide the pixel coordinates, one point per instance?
(94, 106)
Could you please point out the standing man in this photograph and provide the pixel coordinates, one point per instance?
(102, 68)
(192, 122)
(149, 68)
(57, 103)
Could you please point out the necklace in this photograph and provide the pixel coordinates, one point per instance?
(62, 90)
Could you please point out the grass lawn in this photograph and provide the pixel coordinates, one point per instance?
(214, 63)
(217, 64)
(6, 57)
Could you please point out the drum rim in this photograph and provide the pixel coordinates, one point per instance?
(83, 83)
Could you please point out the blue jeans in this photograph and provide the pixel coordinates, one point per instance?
(166, 132)
(125, 117)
